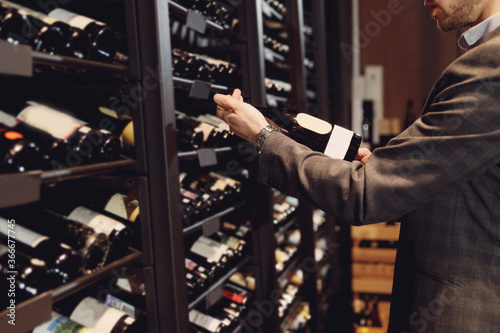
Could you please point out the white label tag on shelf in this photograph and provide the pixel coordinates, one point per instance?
(211, 226)
(16, 59)
(207, 157)
(200, 89)
(271, 101)
(213, 296)
(196, 21)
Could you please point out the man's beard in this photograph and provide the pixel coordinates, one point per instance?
(461, 14)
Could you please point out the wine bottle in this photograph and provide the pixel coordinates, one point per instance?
(58, 256)
(210, 249)
(60, 323)
(30, 276)
(118, 234)
(18, 154)
(238, 245)
(317, 134)
(104, 319)
(89, 144)
(56, 152)
(212, 136)
(190, 136)
(108, 45)
(91, 246)
(197, 184)
(206, 275)
(206, 323)
(55, 36)
(123, 128)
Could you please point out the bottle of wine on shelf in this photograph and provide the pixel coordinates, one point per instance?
(18, 154)
(108, 45)
(29, 275)
(98, 316)
(58, 256)
(121, 126)
(91, 246)
(89, 144)
(60, 323)
(190, 136)
(212, 136)
(317, 134)
(118, 233)
(54, 36)
(198, 184)
(206, 323)
(212, 250)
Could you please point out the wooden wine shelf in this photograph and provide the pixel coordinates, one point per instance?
(373, 254)
(376, 232)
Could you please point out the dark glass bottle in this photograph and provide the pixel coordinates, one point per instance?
(198, 184)
(91, 246)
(30, 276)
(108, 45)
(119, 234)
(317, 134)
(188, 128)
(54, 36)
(18, 154)
(58, 256)
(88, 144)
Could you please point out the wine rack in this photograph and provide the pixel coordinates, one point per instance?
(224, 47)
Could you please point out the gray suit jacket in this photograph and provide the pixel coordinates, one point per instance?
(442, 176)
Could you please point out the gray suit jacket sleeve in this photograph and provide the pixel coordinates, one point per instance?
(457, 137)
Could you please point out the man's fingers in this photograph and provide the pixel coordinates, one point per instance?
(227, 102)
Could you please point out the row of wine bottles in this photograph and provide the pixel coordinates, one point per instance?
(278, 6)
(366, 310)
(205, 194)
(277, 46)
(284, 208)
(43, 137)
(203, 131)
(62, 32)
(52, 248)
(216, 11)
(208, 258)
(199, 67)
(278, 88)
(226, 313)
(91, 315)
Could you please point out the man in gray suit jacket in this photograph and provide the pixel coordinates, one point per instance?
(442, 175)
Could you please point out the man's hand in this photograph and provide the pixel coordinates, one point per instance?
(362, 155)
(243, 119)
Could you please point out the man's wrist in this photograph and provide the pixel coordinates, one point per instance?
(261, 137)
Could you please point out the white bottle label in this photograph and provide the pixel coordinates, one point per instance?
(55, 123)
(209, 323)
(209, 248)
(99, 222)
(339, 142)
(116, 205)
(72, 19)
(21, 234)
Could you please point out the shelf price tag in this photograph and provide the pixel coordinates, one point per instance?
(214, 296)
(200, 89)
(16, 59)
(20, 188)
(196, 21)
(207, 157)
(211, 226)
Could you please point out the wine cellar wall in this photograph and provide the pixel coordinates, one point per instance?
(125, 204)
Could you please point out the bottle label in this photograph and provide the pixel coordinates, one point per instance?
(60, 323)
(339, 142)
(209, 323)
(121, 205)
(73, 19)
(89, 311)
(120, 305)
(233, 296)
(230, 241)
(56, 123)
(128, 135)
(209, 248)
(99, 222)
(22, 234)
(109, 319)
(4, 249)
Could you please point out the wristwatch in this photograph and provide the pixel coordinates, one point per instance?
(261, 137)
